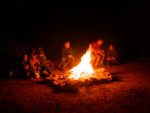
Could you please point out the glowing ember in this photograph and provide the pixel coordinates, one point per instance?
(84, 70)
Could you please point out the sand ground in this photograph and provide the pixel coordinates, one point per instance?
(129, 93)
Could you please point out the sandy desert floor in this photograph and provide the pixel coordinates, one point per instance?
(128, 93)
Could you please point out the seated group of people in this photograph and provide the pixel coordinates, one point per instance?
(36, 64)
(99, 56)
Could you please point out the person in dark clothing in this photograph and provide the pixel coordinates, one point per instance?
(34, 64)
(97, 53)
(41, 56)
(67, 55)
(111, 56)
(44, 64)
(26, 66)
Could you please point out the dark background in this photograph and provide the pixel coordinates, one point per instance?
(26, 24)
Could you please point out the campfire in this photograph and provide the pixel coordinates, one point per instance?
(85, 71)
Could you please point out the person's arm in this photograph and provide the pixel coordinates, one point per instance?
(108, 56)
(102, 52)
(25, 65)
(32, 65)
(116, 55)
(71, 51)
(63, 52)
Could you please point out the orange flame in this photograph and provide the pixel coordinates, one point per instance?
(84, 69)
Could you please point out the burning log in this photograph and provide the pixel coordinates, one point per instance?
(101, 73)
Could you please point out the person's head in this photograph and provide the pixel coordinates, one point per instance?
(40, 48)
(111, 47)
(67, 44)
(40, 51)
(100, 41)
(25, 58)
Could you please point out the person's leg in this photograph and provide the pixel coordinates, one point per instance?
(47, 68)
(63, 61)
(72, 62)
(102, 60)
(93, 60)
(97, 60)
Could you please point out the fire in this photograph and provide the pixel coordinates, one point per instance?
(84, 69)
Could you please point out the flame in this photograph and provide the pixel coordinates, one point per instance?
(84, 69)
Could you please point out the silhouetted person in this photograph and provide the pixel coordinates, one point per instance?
(67, 55)
(34, 64)
(44, 64)
(111, 56)
(97, 53)
(41, 56)
(26, 66)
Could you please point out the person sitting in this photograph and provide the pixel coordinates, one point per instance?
(34, 64)
(67, 55)
(111, 56)
(26, 66)
(44, 64)
(97, 53)
(41, 56)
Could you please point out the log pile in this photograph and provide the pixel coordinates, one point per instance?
(61, 78)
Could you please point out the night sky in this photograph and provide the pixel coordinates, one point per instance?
(27, 24)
